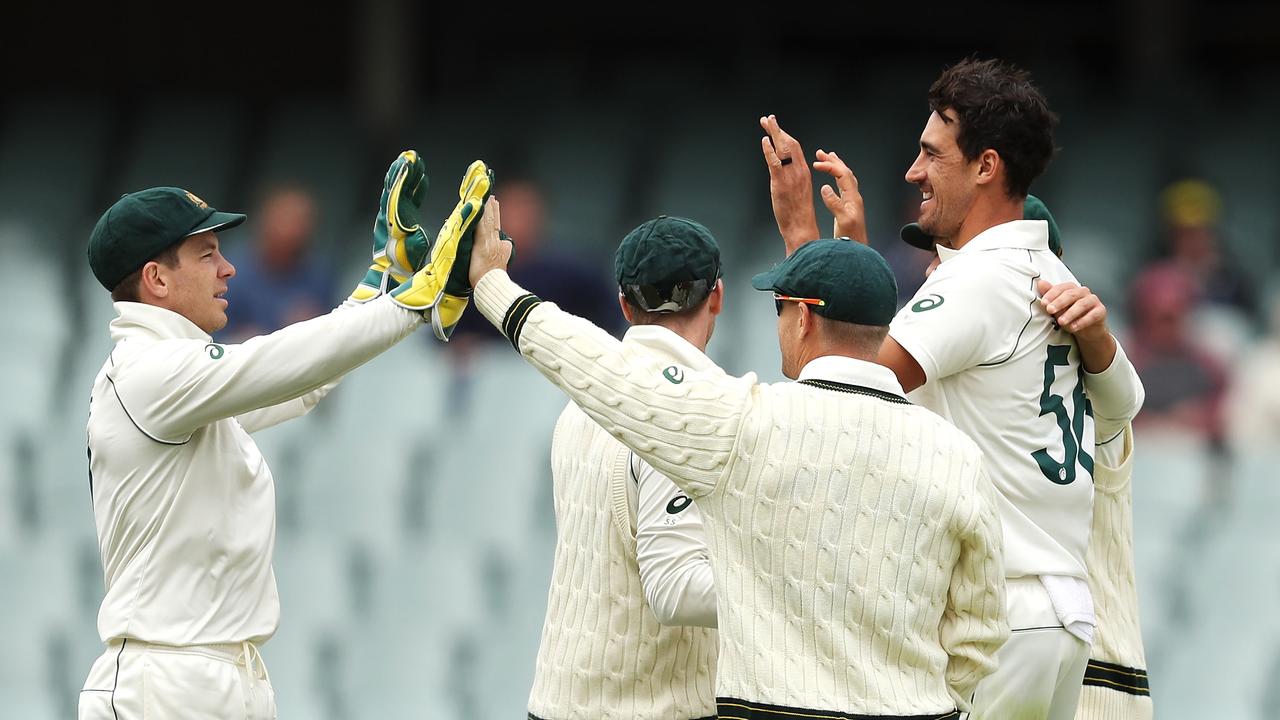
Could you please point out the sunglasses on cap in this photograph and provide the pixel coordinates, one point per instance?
(682, 296)
(778, 298)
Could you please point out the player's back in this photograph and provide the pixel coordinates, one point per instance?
(603, 652)
(839, 537)
(998, 367)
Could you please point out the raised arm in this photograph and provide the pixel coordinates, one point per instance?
(790, 185)
(682, 422)
(273, 415)
(182, 385)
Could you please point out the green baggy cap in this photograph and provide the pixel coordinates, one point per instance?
(143, 224)
(852, 280)
(667, 264)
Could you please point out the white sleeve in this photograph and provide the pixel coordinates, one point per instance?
(266, 417)
(1116, 395)
(684, 422)
(177, 386)
(969, 312)
(671, 551)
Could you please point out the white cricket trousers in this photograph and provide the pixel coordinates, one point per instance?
(1041, 665)
(134, 680)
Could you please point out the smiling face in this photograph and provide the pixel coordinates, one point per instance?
(947, 181)
(194, 288)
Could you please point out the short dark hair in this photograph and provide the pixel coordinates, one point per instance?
(999, 108)
(127, 289)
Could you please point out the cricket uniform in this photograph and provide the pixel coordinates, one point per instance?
(185, 505)
(853, 537)
(1115, 681)
(630, 568)
(996, 365)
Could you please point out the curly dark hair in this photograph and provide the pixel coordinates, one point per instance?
(999, 108)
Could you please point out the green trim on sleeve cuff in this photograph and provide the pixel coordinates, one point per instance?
(517, 314)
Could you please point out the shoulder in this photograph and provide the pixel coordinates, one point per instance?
(147, 359)
(977, 277)
(946, 438)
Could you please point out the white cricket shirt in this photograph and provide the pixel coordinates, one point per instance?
(998, 368)
(183, 501)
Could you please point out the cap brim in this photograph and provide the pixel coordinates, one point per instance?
(912, 235)
(217, 221)
(764, 280)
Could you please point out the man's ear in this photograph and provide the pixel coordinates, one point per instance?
(715, 301)
(153, 281)
(808, 320)
(990, 167)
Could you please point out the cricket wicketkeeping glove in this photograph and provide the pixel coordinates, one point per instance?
(441, 286)
(400, 247)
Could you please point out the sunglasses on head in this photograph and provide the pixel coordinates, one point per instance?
(682, 296)
(778, 298)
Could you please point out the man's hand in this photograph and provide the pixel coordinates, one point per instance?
(399, 245)
(491, 251)
(457, 290)
(1078, 311)
(790, 185)
(845, 203)
(425, 289)
(406, 245)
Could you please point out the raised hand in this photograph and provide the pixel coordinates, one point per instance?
(399, 245)
(845, 203)
(492, 251)
(790, 185)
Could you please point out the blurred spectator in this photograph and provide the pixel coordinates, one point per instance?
(280, 280)
(579, 285)
(1192, 211)
(1185, 385)
(1253, 408)
(907, 261)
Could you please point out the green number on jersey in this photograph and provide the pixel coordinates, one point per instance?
(1064, 473)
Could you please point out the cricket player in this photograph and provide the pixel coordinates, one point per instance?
(853, 537)
(976, 346)
(1115, 681)
(624, 529)
(183, 501)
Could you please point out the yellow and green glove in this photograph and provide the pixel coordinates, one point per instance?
(441, 285)
(400, 246)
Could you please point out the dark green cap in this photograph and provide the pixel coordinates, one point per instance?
(667, 264)
(143, 224)
(852, 280)
(1032, 209)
